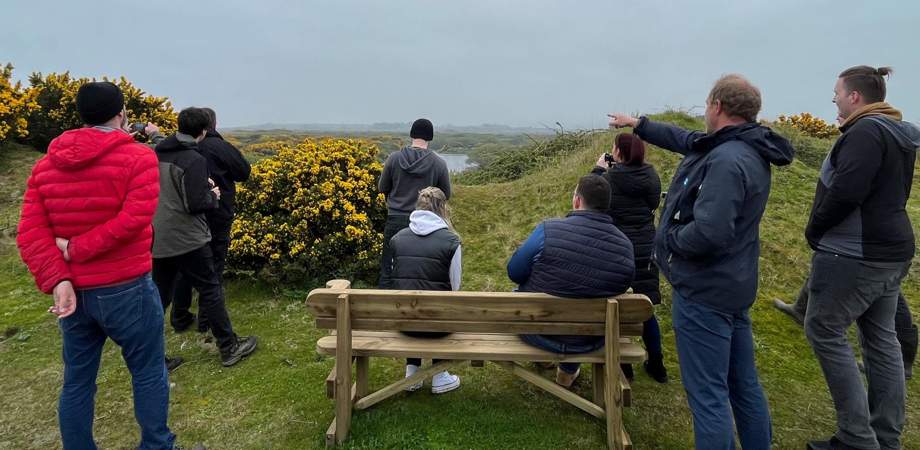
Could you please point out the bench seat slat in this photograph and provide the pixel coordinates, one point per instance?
(475, 346)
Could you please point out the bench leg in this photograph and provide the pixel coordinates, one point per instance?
(597, 370)
(343, 398)
(361, 372)
(553, 388)
(613, 396)
(330, 432)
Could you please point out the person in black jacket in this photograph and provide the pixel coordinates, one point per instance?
(583, 255)
(863, 242)
(226, 167)
(426, 256)
(635, 192)
(707, 245)
(181, 235)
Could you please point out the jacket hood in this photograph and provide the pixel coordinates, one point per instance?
(177, 142)
(772, 147)
(78, 148)
(906, 134)
(415, 160)
(423, 222)
(633, 180)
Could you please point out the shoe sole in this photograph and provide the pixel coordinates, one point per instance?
(414, 387)
(446, 387)
(239, 358)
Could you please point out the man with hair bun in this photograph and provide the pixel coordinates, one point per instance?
(707, 246)
(863, 242)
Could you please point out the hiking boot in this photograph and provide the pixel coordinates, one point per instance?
(655, 369)
(444, 382)
(628, 371)
(410, 370)
(243, 347)
(196, 447)
(566, 379)
(173, 363)
(790, 311)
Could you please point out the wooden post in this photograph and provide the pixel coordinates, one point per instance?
(613, 397)
(361, 371)
(598, 383)
(343, 369)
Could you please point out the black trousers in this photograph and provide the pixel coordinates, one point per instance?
(197, 266)
(394, 224)
(180, 317)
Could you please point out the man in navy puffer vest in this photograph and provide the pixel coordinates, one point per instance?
(581, 256)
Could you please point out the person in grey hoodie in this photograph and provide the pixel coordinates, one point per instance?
(426, 256)
(405, 173)
(707, 246)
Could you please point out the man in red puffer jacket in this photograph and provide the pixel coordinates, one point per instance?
(85, 234)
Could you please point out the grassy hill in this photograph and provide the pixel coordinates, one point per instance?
(276, 400)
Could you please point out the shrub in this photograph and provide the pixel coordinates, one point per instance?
(16, 104)
(311, 211)
(57, 112)
(810, 125)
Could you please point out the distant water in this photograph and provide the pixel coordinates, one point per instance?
(457, 162)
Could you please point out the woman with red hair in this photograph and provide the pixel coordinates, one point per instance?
(635, 195)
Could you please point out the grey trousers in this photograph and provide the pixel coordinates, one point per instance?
(843, 291)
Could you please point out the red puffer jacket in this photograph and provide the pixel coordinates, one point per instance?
(99, 190)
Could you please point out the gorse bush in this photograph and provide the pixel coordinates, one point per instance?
(810, 125)
(57, 108)
(311, 211)
(16, 104)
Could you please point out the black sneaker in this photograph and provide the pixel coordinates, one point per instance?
(173, 363)
(656, 370)
(183, 326)
(243, 347)
(832, 444)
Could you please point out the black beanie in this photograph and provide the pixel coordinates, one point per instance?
(99, 101)
(422, 129)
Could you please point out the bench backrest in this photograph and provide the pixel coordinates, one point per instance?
(478, 312)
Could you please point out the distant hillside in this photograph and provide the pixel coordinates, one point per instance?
(390, 127)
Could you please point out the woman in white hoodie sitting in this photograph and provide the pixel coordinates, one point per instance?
(426, 256)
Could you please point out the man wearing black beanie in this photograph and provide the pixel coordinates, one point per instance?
(90, 240)
(405, 173)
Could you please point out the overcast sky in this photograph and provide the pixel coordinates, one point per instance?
(465, 63)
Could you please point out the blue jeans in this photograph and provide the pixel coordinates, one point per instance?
(132, 316)
(565, 345)
(716, 353)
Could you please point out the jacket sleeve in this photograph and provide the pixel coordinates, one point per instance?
(135, 215)
(456, 269)
(856, 164)
(522, 260)
(35, 240)
(444, 179)
(666, 136)
(198, 195)
(232, 160)
(385, 183)
(719, 203)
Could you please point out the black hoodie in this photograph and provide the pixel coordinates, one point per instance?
(859, 208)
(708, 238)
(408, 171)
(179, 225)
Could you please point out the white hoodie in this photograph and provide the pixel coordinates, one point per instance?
(423, 223)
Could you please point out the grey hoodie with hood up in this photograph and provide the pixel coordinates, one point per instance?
(407, 172)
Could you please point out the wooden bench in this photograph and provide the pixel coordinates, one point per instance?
(484, 327)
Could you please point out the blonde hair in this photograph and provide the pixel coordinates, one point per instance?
(434, 200)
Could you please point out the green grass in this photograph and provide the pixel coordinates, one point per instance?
(276, 398)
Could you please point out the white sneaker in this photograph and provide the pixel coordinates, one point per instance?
(410, 370)
(444, 382)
